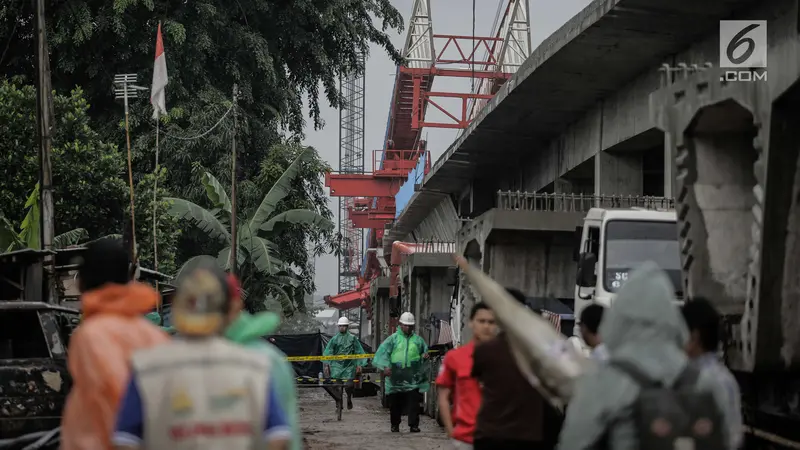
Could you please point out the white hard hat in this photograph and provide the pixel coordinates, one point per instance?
(343, 321)
(407, 319)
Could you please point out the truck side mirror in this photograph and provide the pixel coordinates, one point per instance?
(586, 266)
(576, 249)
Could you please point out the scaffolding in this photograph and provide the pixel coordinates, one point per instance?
(351, 161)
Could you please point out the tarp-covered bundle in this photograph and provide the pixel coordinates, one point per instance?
(543, 355)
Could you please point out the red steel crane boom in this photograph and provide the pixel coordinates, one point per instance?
(490, 61)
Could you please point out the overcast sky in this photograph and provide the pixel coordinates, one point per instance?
(448, 17)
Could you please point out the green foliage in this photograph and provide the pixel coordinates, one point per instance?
(8, 236)
(304, 322)
(29, 235)
(72, 237)
(301, 242)
(279, 52)
(30, 228)
(260, 264)
(88, 188)
(168, 229)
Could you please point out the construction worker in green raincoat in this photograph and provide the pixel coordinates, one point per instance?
(403, 358)
(344, 343)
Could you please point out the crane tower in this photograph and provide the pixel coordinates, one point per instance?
(368, 199)
(351, 161)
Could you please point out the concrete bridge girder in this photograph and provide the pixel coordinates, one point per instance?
(529, 250)
(737, 157)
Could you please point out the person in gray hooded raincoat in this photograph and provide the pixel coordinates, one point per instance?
(644, 328)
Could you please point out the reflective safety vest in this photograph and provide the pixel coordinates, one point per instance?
(205, 393)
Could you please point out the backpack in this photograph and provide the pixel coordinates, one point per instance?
(677, 417)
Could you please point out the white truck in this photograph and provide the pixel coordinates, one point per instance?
(615, 241)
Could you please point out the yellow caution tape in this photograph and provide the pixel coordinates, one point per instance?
(337, 357)
(331, 358)
(334, 380)
(338, 380)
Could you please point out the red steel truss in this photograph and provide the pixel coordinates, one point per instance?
(390, 171)
(453, 60)
(350, 299)
(490, 61)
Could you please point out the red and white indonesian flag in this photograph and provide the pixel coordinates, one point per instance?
(158, 97)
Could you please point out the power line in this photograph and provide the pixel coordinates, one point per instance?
(201, 135)
(473, 46)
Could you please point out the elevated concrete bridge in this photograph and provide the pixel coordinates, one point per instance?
(575, 120)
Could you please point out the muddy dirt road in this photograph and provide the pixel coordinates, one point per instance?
(365, 427)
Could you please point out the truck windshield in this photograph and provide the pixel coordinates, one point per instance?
(630, 243)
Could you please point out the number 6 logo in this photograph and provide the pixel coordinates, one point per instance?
(740, 39)
(742, 44)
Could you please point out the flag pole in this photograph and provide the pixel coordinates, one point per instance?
(234, 237)
(158, 100)
(155, 211)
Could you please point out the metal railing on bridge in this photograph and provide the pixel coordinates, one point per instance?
(431, 246)
(534, 201)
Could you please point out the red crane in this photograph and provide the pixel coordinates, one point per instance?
(489, 61)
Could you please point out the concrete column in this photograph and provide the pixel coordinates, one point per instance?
(670, 170)
(618, 174)
(563, 186)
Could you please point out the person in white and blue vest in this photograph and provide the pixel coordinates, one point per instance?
(201, 391)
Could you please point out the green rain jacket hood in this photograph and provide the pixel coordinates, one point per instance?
(644, 328)
(249, 330)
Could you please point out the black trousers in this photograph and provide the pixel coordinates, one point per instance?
(509, 444)
(404, 402)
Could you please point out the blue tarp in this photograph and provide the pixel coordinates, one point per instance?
(404, 194)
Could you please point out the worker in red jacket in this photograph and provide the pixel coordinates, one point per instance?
(455, 377)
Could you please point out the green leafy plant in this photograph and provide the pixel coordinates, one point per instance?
(259, 264)
(29, 234)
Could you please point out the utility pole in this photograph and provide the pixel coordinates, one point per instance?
(234, 242)
(45, 119)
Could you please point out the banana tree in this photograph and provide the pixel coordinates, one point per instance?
(28, 236)
(259, 265)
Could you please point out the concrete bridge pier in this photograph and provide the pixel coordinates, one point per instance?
(618, 173)
(427, 290)
(526, 242)
(383, 310)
